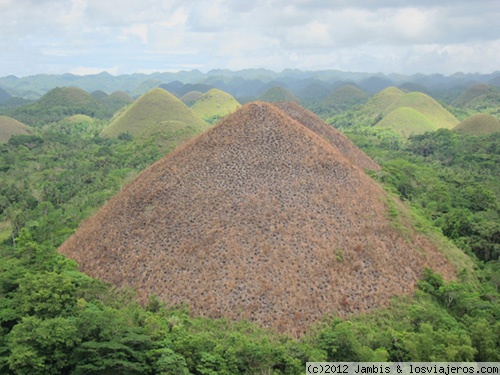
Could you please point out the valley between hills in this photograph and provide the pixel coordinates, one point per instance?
(247, 222)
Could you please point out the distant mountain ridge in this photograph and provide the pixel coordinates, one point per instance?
(240, 84)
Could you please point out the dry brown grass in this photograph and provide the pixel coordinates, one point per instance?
(258, 218)
(332, 135)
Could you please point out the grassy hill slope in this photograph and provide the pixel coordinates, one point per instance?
(407, 121)
(427, 106)
(214, 104)
(379, 102)
(478, 124)
(10, 127)
(473, 92)
(158, 116)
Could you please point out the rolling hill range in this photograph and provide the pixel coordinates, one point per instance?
(157, 115)
(214, 104)
(480, 98)
(180, 89)
(258, 218)
(478, 124)
(10, 127)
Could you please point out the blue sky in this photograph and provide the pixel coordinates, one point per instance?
(127, 36)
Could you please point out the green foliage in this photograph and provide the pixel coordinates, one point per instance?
(51, 181)
(59, 103)
(339, 101)
(41, 346)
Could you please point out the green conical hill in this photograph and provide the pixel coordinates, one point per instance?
(478, 124)
(258, 218)
(427, 106)
(214, 104)
(157, 113)
(99, 94)
(278, 94)
(344, 98)
(191, 97)
(379, 102)
(117, 100)
(121, 96)
(59, 103)
(407, 121)
(10, 127)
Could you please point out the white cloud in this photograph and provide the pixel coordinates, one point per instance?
(133, 35)
(140, 31)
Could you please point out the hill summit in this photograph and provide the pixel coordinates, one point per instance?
(258, 218)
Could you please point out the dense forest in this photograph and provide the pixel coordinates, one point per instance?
(56, 320)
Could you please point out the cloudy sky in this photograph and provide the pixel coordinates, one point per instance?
(127, 36)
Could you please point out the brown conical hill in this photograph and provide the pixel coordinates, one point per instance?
(258, 218)
(332, 135)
